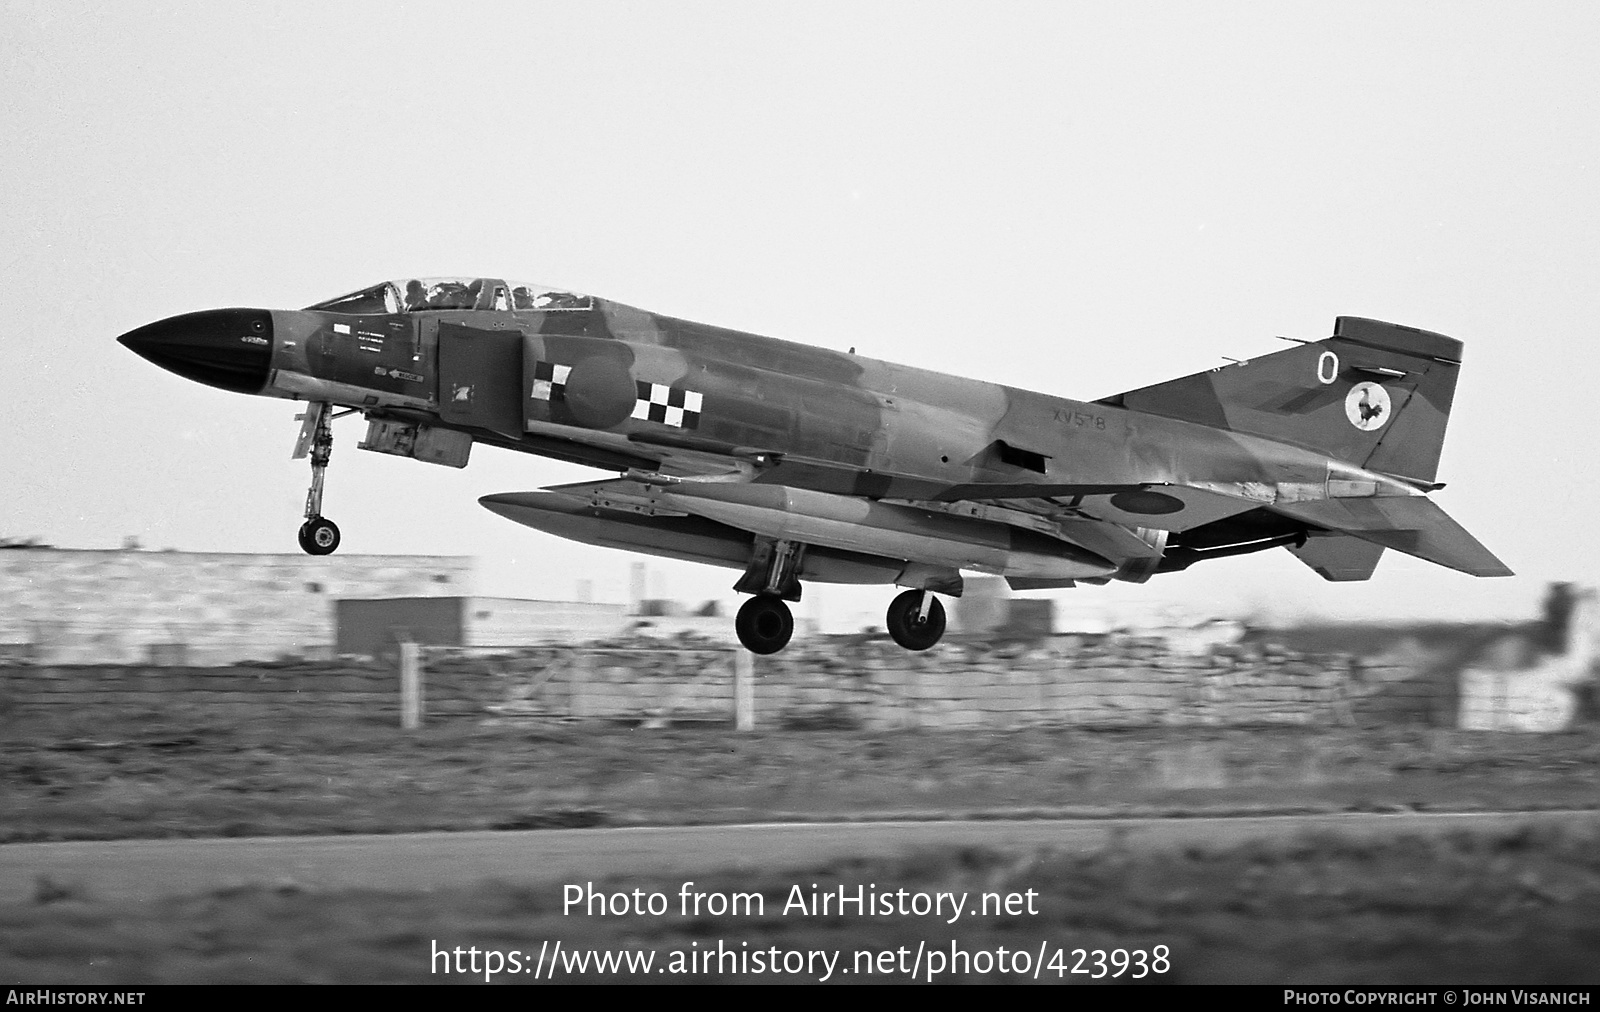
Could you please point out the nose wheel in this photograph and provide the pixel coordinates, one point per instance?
(764, 624)
(318, 535)
(916, 619)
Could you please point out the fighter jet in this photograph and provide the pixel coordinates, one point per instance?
(793, 463)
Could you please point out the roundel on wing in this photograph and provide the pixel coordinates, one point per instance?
(1367, 406)
(1146, 502)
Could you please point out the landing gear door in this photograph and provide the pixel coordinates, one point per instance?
(480, 378)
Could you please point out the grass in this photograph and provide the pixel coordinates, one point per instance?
(105, 774)
(1520, 907)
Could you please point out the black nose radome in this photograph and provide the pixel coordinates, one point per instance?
(226, 348)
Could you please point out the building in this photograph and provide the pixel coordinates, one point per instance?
(373, 627)
(70, 606)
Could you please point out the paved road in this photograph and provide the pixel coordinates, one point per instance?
(149, 869)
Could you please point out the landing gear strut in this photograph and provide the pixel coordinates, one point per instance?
(318, 535)
(916, 619)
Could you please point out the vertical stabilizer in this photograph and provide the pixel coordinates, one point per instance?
(1374, 394)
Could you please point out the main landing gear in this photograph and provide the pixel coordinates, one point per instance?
(764, 624)
(318, 535)
(916, 619)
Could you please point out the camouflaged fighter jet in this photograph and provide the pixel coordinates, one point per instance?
(793, 463)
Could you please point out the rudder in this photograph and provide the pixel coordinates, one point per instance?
(1409, 446)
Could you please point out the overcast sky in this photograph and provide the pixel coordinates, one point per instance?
(1073, 198)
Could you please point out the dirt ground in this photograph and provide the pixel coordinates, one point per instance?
(1520, 907)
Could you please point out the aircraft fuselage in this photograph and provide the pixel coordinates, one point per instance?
(832, 420)
(873, 471)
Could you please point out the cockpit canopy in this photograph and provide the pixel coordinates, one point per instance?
(412, 295)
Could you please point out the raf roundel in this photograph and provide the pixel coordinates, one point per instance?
(1367, 406)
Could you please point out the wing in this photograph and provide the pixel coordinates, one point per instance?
(1154, 505)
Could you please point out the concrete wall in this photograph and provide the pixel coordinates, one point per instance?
(123, 607)
(1112, 683)
(873, 684)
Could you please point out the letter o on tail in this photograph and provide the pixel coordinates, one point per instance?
(1327, 367)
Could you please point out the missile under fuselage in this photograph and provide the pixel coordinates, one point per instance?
(849, 540)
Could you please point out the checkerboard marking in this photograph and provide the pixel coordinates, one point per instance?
(658, 402)
(550, 381)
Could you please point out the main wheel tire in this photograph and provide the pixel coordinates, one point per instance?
(764, 624)
(907, 629)
(319, 536)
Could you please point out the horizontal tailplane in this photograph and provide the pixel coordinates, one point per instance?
(1412, 524)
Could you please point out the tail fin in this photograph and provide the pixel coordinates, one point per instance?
(1375, 394)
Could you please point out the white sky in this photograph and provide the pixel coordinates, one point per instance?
(1074, 198)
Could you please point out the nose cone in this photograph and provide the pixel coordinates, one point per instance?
(226, 348)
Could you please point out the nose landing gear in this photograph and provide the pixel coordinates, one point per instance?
(318, 535)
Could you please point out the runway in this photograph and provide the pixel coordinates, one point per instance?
(150, 869)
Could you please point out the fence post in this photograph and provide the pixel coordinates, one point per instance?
(410, 686)
(744, 691)
(578, 684)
